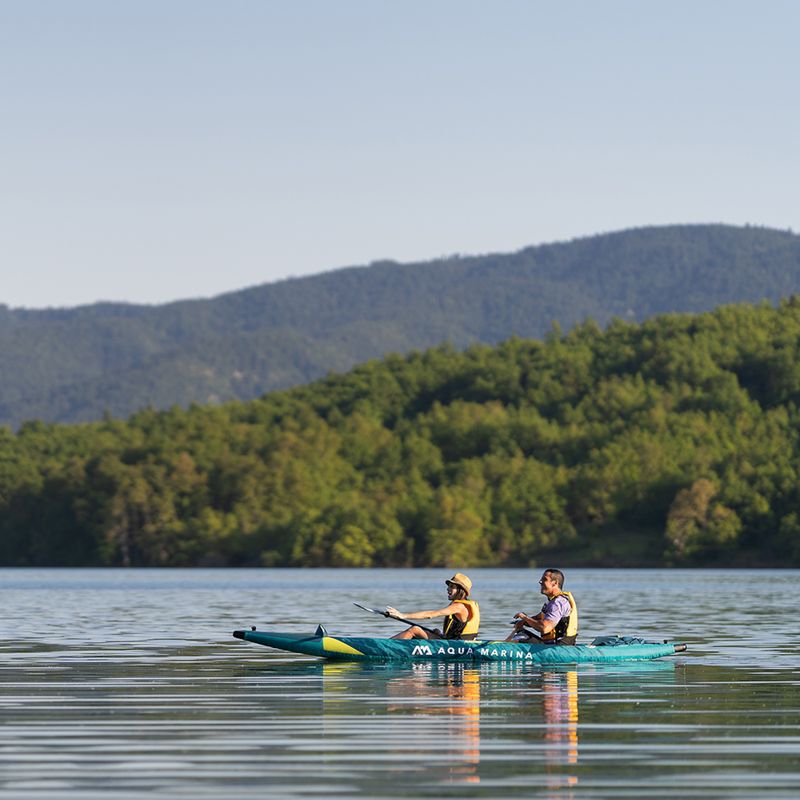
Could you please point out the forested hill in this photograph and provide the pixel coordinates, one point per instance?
(675, 441)
(75, 364)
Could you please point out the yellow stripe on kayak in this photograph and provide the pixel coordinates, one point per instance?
(331, 645)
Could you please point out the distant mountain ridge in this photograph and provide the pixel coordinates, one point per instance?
(71, 365)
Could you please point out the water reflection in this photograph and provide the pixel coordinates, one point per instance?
(560, 708)
(433, 714)
(432, 711)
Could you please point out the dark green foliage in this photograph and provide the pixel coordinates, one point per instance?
(674, 441)
(72, 365)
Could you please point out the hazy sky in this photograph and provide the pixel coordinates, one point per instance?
(159, 149)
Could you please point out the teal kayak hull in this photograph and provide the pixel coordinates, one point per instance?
(355, 648)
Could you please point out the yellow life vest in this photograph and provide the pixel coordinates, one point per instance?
(566, 629)
(454, 628)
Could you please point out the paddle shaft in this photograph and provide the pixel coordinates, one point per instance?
(399, 619)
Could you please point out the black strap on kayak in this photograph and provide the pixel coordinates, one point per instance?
(399, 619)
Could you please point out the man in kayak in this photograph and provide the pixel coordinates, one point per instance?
(462, 616)
(557, 622)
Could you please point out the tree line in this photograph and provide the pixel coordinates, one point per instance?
(674, 441)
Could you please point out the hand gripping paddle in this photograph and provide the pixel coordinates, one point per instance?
(399, 619)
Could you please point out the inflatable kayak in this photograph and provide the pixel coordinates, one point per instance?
(354, 648)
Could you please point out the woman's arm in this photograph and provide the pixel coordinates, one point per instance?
(459, 609)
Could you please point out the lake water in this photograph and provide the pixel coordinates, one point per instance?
(124, 683)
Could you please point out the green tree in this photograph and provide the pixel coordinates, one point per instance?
(697, 526)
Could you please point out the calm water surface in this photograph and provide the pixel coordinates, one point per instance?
(125, 683)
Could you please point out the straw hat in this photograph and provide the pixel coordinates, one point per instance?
(459, 579)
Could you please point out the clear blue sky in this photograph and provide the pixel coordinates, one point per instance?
(160, 149)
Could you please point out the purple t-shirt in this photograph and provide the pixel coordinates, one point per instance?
(556, 609)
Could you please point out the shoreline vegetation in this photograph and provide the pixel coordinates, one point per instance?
(668, 443)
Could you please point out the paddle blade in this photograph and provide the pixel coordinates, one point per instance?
(371, 610)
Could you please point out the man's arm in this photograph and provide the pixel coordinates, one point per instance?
(547, 619)
(524, 621)
(545, 625)
(555, 611)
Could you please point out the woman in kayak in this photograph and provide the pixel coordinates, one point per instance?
(462, 616)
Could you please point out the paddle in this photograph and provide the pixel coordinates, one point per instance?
(399, 619)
